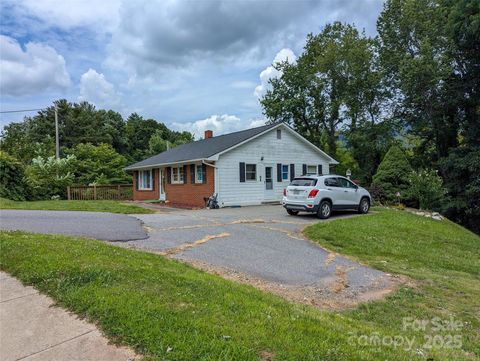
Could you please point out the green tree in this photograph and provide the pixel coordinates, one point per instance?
(334, 83)
(98, 164)
(12, 183)
(48, 177)
(392, 175)
(415, 53)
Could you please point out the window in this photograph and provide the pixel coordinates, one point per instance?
(345, 183)
(251, 172)
(177, 175)
(145, 179)
(199, 176)
(311, 169)
(331, 182)
(279, 134)
(304, 182)
(285, 172)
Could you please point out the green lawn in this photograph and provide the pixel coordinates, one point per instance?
(61, 205)
(152, 303)
(442, 258)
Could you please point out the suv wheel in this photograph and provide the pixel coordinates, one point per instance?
(324, 210)
(292, 212)
(364, 206)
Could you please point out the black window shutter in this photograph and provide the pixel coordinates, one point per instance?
(279, 172)
(153, 179)
(185, 171)
(137, 179)
(192, 173)
(320, 172)
(204, 172)
(304, 169)
(169, 177)
(242, 172)
(292, 171)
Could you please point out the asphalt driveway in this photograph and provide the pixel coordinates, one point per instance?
(262, 242)
(102, 226)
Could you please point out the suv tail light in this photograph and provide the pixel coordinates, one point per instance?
(313, 193)
(285, 192)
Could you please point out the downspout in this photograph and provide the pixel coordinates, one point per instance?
(216, 183)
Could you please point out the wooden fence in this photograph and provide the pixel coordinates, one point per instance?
(100, 192)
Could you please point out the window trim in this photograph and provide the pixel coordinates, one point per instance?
(288, 173)
(279, 134)
(197, 168)
(141, 186)
(315, 169)
(246, 178)
(179, 174)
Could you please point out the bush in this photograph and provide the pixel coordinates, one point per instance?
(48, 177)
(426, 188)
(392, 175)
(12, 183)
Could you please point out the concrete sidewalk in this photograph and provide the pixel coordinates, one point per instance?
(31, 329)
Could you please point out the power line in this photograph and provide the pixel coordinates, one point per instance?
(20, 111)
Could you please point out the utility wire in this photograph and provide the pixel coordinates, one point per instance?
(20, 111)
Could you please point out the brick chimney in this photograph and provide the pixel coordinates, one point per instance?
(208, 134)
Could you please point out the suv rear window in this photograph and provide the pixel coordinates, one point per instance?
(304, 182)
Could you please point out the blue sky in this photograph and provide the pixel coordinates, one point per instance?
(190, 64)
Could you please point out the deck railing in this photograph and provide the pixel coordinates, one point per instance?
(100, 192)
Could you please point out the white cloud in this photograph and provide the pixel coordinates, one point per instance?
(270, 72)
(243, 84)
(70, 14)
(31, 71)
(95, 88)
(220, 124)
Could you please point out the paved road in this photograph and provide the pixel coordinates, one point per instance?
(103, 226)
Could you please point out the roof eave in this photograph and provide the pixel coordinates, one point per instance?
(150, 166)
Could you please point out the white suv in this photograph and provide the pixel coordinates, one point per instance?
(324, 194)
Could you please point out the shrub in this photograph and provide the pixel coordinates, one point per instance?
(48, 177)
(12, 183)
(392, 175)
(426, 188)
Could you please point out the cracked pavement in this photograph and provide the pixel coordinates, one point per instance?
(262, 242)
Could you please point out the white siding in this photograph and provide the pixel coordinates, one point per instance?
(287, 150)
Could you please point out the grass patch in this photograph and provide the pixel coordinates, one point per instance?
(441, 256)
(62, 205)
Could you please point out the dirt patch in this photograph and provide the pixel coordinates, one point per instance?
(330, 258)
(267, 356)
(185, 246)
(242, 221)
(341, 281)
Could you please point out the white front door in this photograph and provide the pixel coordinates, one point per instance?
(268, 182)
(161, 184)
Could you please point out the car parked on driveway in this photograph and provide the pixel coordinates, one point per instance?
(324, 194)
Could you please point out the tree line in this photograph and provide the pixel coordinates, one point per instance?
(96, 145)
(415, 86)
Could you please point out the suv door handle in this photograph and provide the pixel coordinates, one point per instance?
(346, 191)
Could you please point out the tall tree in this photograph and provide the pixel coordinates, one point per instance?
(415, 54)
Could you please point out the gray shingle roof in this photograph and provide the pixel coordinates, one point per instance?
(200, 149)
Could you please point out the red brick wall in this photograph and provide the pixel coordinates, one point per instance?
(191, 194)
(139, 195)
